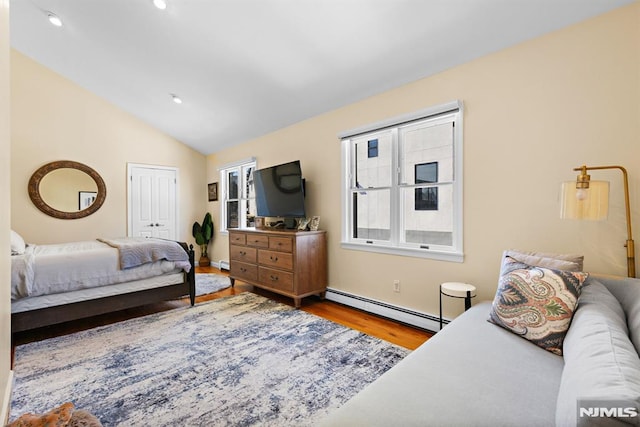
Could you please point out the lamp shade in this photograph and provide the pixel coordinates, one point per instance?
(590, 203)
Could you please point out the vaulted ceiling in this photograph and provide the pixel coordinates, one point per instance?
(244, 68)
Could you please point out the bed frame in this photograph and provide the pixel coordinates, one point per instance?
(63, 313)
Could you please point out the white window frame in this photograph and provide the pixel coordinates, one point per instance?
(452, 110)
(224, 196)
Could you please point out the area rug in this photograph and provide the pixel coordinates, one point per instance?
(208, 283)
(236, 361)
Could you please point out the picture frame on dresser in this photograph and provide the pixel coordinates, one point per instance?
(315, 223)
(303, 223)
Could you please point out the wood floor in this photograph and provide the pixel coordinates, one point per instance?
(388, 330)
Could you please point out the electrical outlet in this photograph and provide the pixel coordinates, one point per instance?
(396, 285)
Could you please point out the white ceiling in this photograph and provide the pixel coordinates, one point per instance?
(245, 68)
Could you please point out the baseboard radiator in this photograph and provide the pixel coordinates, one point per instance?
(394, 312)
(223, 265)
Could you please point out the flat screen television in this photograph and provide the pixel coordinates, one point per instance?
(280, 191)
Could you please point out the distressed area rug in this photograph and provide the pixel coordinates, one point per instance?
(208, 283)
(237, 361)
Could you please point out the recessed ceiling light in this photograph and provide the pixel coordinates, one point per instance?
(176, 98)
(54, 19)
(160, 4)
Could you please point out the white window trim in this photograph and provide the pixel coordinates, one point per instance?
(347, 242)
(222, 188)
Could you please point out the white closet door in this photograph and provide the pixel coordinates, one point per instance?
(152, 201)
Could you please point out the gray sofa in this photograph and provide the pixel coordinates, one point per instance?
(475, 373)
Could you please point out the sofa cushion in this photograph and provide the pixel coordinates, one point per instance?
(594, 292)
(536, 303)
(627, 291)
(601, 363)
(568, 262)
(471, 373)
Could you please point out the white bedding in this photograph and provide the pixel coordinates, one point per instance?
(44, 301)
(84, 265)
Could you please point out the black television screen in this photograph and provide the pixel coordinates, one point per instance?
(279, 191)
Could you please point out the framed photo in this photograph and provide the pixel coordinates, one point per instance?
(86, 199)
(303, 223)
(213, 192)
(315, 223)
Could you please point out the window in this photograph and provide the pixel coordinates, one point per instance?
(372, 148)
(426, 198)
(407, 199)
(238, 208)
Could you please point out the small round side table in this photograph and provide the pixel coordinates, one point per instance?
(457, 290)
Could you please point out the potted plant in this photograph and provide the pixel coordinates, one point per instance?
(203, 234)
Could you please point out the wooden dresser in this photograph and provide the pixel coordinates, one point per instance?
(291, 263)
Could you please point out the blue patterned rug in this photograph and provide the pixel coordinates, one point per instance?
(208, 283)
(237, 361)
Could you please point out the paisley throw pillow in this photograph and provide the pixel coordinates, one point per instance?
(536, 303)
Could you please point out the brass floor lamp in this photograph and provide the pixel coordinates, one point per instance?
(587, 199)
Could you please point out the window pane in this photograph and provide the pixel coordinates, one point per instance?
(424, 145)
(250, 213)
(248, 179)
(238, 207)
(232, 182)
(428, 226)
(426, 172)
(372, 148)
(426, 199)
(375, 171)
(232, 214)
(372, 215)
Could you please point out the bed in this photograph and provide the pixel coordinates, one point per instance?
(61, 282)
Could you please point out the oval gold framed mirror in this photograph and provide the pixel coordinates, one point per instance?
(67, 190)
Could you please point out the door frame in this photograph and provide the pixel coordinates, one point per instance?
(129, 195)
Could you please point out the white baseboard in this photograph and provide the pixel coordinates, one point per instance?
(6, 401)
(220, 265)
(421, 320)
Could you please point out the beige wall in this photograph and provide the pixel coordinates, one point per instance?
(532, 113)
(5, 266)
(55, 119)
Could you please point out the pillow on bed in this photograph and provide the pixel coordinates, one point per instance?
(536, 303)
(17, 244)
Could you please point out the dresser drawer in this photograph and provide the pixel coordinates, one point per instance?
(275, 259)
(242, 253)
(258, 241)
(282, 244)
(241, 270)
(280, 280)
(237, 238)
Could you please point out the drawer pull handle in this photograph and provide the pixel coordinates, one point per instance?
(243, 253)
(273, 278)
(244, 270)
(274, 259)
